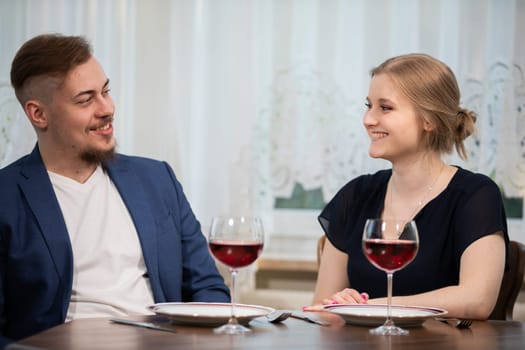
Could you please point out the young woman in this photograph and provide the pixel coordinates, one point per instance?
(413, 118)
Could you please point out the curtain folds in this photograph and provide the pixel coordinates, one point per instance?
(247, 98)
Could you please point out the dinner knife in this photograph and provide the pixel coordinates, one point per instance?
(309, 319)
(143, 324)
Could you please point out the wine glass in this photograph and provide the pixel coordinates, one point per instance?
(236, 242)
(390, 245)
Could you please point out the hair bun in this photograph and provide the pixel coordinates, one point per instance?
(465, 123)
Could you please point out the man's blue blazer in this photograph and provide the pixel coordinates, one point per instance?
(36, 259)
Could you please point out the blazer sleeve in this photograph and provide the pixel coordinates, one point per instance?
(201, 280)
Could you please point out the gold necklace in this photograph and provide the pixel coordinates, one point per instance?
(420, 202)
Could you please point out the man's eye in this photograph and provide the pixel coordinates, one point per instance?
(84, 101)
(106, 91)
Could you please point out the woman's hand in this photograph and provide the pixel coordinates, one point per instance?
(347, 296)
(332, 281)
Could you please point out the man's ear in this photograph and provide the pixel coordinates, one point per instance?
(36, 114)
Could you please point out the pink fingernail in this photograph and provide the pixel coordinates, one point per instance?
(365, 298)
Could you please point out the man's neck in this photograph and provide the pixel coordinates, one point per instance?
(77, 169)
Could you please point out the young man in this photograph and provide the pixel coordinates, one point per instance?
(84, 231)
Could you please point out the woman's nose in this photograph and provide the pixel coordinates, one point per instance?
(369, 119)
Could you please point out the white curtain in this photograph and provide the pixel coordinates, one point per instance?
(244, 98)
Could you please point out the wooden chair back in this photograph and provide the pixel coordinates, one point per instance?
(511, 284)
(320, 247)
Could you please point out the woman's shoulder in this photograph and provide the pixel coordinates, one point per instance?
(467, 185)
(366, 182)
(371, 179)
(468, 181)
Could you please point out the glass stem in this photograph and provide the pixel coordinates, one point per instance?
(389, 277)
(233, 319)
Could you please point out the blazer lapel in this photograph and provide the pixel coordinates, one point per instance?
(38, 191)
(133, 194)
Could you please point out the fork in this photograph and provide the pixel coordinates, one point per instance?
(464, 324)
(457, 322)
(278, 316)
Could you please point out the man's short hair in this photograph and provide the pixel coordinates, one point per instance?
(46, 55)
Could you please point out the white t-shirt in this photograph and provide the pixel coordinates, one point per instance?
(110, 277)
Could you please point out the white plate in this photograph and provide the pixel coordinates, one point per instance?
(208, 314)
(375, 315)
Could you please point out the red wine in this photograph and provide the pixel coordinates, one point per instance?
(236, 253)
(390, 255)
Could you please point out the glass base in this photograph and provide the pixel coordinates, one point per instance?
(231, 328)
(389, 329)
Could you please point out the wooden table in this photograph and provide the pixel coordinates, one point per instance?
(291, 334)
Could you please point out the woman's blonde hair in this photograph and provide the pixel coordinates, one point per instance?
(432, 87)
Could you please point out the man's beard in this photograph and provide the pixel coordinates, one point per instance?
(98, 157)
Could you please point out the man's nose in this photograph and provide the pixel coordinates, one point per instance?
(105, 106)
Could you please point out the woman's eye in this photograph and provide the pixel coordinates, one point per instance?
(368, 105)
(386, 108)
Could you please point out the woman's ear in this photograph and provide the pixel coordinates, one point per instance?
(427, 125)
(36, 114)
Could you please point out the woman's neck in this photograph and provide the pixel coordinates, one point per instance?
(413, 184)
(414, 176)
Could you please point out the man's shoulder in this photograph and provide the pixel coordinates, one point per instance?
(16, 162)
(13, 168)
(134, 161)
(133, 158)
(142, 167)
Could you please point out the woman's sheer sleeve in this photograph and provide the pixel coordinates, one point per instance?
(481, 214)
(333, 218)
